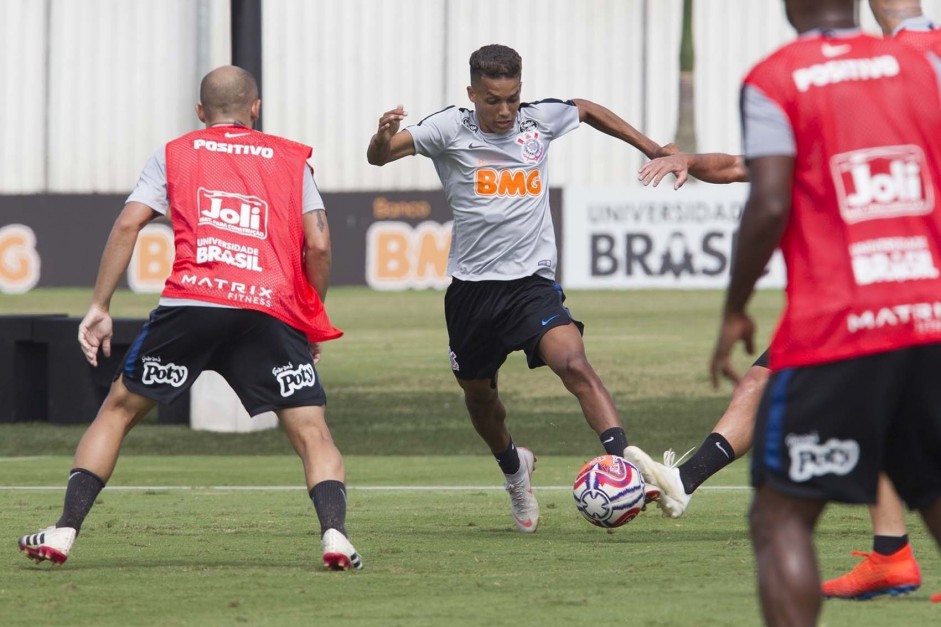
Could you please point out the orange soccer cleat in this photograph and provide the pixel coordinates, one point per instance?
(877, 574)
(936, 598)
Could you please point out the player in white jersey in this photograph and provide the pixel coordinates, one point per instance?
(493, 163)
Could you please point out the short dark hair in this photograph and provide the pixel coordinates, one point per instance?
(495, 61)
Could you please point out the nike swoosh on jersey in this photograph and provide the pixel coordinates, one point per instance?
(549, 319)
(230, 135)
(473, 145)
(830, 51)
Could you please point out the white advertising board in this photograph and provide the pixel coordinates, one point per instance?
(641, 237)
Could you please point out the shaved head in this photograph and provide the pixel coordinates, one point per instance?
(228, 91)
(891, 13)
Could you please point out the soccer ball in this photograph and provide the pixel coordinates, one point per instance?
(609, 491)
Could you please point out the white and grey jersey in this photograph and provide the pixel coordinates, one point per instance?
(497, 187)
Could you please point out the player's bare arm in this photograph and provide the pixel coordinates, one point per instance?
(763, 222)
(713, 167)
(95, 330)
(389, 143)
(609, 123)
(318, 255)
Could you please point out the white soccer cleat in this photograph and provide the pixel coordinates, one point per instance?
(666, 476)
(523, 504)
(52, 543)
(338, 553)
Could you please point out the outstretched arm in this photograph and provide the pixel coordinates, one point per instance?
(95, 330)
(714, 167)
(390, 144)
(606, 121)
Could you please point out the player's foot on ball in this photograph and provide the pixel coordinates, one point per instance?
(52, 543)
(523, 504)
(338, 553)
(877, 574)
(673, 498)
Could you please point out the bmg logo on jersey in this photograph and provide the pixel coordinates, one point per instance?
(490, 182)
(810, 458)
(883, 182)
(292, 379)
(156, 373)
(245, 215)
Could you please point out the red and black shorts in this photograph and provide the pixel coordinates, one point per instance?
(826, 431)
(266, 362)
(488, 320)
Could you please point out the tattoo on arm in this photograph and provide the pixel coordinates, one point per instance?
(321, 223)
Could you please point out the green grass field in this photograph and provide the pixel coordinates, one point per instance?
(168, 543)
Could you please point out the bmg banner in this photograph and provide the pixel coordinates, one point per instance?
(641, 237)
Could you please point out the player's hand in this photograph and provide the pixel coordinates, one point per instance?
(389, 123)
(315, 351)
(95, 332)
(736, 326)
(667, 150)
(654, 171)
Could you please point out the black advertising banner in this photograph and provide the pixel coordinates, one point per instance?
(386, 240)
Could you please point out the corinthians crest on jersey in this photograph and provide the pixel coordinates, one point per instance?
(533, 149)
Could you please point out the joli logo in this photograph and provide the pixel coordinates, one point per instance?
(245, 215)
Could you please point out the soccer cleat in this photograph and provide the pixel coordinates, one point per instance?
(523, 504)
(665, 477)
(52, 543)
(936, 598)
(338, 553)
(877, 574)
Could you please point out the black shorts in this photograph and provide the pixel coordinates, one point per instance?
(488, 320)
(267, 363)
(826, 431)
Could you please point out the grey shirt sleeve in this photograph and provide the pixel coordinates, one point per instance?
(430, 135)
(312, 199)
(151, 188)
(766, 129)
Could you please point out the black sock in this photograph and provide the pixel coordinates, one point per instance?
(614, 441)
(329, 498)
(80, 494)
(887, 545)
(714, 454)
(509, 460)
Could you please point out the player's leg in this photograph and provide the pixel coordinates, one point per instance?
(271, 368)
(92, 466)
(476, 354)
(563, 350)
(788, 579)
(730, 439)
(543, 327)
(488, 415)
(325, 476)
(819, 436)
(891, 568)
(154, 370)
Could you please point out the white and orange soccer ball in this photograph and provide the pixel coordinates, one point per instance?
(609, 491)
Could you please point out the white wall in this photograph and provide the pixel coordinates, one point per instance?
(122, 77)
